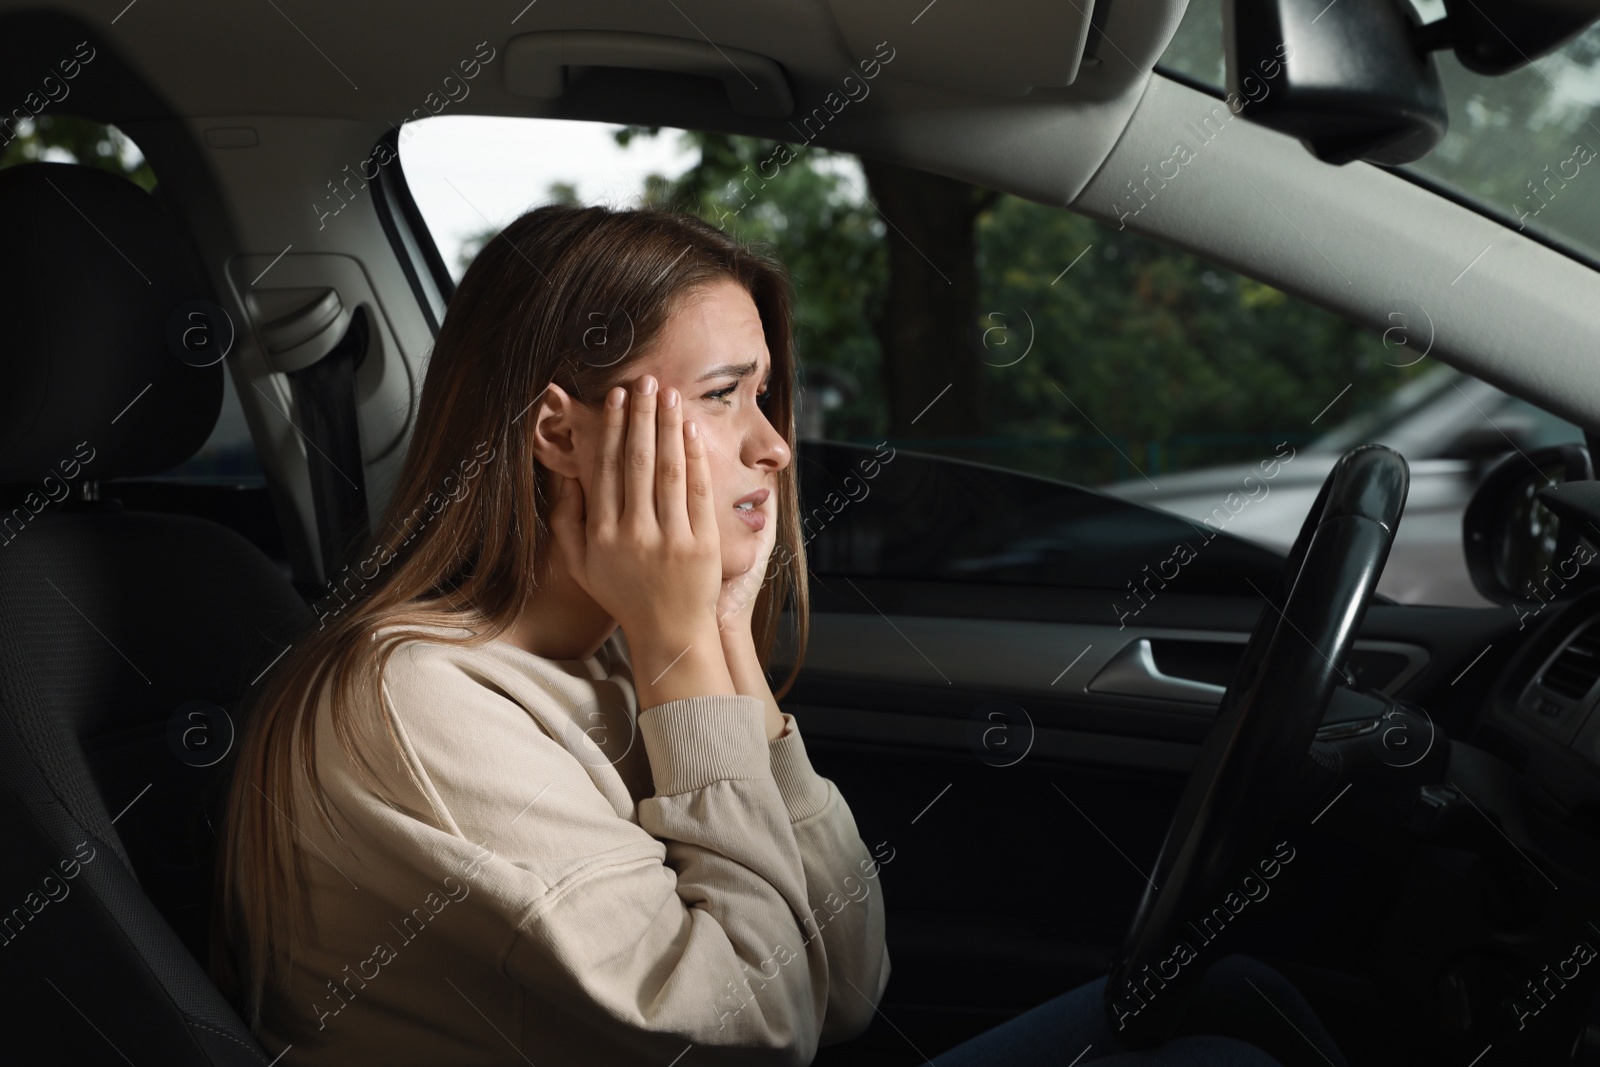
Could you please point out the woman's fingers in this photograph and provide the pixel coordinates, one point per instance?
(605, 510)
(649, 551)
(671, 468)
(639, 469)
(702, 504)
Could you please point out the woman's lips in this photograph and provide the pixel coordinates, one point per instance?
(753, 516)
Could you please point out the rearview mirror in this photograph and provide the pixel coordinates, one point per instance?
(1518, 550)
(1347, 78)
(1354, 79)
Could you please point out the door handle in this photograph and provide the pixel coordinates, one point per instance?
(1132, 672)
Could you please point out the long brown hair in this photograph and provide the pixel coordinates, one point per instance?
(564, 294)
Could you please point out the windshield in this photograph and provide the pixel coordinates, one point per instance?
(1378, 422)
(1525, 144)
(1445, 414)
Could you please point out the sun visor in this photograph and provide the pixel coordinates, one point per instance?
(998, 47)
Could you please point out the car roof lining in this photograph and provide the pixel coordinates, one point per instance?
(251, 60)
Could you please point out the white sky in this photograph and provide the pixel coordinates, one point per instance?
(469, 173)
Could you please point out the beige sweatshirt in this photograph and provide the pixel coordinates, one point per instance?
(576, 883)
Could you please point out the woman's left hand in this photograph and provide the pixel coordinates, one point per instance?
(736, 604)
(736, 608)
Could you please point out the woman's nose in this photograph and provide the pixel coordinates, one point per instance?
(766, 448)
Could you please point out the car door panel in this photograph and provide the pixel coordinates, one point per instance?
(987, 728)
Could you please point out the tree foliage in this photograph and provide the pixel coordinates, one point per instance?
(809, 213)
(1139, 342)
(1136, 342)
(69, 139)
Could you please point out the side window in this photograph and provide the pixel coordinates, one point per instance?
(516, 165)
(882, 512)
(1081, 355)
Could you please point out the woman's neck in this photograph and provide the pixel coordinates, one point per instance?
(559, 620)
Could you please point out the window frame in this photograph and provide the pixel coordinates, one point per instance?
(409, 236)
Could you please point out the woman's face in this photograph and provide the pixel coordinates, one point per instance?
(714, 353)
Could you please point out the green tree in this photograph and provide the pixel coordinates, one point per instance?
(1514, 140)
(1136, 341)
(1143, 343)
(893, 306)
(805, 205)
(1075, 331)
(69, 139)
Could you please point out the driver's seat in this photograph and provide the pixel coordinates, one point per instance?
(113, 624)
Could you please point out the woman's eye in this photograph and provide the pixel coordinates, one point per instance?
(726, 391)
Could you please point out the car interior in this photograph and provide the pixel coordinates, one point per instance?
(1074, 750)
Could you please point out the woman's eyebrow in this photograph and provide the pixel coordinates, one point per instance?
(736, 370)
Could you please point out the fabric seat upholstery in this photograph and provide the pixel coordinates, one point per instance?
(127, 639)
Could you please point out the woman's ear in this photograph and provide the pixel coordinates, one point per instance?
(562, 431)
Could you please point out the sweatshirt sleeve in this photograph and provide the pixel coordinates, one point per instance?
(845, 905)
(702, 943)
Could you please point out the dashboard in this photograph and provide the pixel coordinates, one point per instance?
(1541, 714)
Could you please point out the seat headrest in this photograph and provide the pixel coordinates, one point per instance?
(94, 278)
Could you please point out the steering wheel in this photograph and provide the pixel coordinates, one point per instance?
(1258, 743)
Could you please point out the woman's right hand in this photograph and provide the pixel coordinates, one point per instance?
(644, 541)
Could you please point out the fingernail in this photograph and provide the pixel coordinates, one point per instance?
(670, 398)
(647, 386)
(694, 431)
(616, 397)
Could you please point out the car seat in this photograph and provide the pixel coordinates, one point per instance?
(126, 638)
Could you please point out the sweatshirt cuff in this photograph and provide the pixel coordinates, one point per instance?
(804, 791)
(699, 740)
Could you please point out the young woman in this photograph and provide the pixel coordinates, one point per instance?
(524, 794)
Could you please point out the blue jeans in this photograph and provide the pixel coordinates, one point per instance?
(1244, 1014)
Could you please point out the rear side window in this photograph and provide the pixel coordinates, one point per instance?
(48, 138)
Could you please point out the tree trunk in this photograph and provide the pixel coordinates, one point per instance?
(929, 328)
